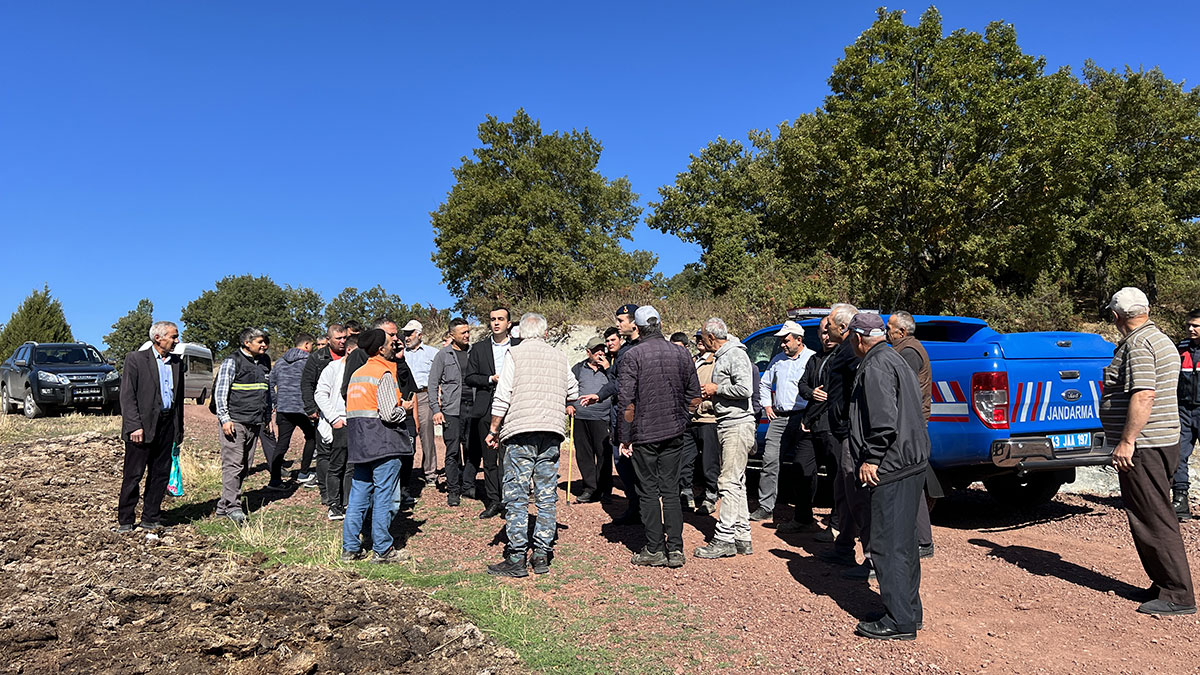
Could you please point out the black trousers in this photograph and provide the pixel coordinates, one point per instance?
(154, 461)
(893, 550)
(285, 425)
(462, 455)
(322, 466)
(493, 463)
(855, 514)
(338, 474)
(657, 468)
(593, 454)
(700, 447)
(1146, 491)
(1189, 433)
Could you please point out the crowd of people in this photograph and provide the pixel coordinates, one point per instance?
(677, 426)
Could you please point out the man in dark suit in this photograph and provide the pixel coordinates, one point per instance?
(151, 424)
(483, 365)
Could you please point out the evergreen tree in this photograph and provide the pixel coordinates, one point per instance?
(129, 332)
(40, 318)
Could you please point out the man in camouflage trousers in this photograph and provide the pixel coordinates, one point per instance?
(529, 416)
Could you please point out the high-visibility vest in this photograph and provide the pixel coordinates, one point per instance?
(362, 396)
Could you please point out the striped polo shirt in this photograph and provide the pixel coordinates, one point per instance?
(1145, 359)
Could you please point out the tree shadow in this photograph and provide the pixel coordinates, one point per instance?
(976, 510)
(821, 578)
(1049, 564)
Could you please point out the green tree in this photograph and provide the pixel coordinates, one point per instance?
(129, 332)
(530, 217)
(365, 307)
(40, 318)
(216, 317)
(304, 309)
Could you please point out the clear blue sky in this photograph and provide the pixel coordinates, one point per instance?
(148, 149)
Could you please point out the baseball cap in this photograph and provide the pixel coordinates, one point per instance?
(413, 326)
(869, 325)
(628, 308)
(595, 343)
(791, 328)
(1129, 298)
(643, 315)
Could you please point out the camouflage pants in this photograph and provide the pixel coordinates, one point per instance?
(531, 457)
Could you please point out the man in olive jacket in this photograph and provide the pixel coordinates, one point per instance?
(889, 445)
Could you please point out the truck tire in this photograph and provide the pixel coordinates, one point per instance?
(32, 411)
(7, 405)
(1026, 492)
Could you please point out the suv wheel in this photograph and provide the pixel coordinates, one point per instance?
(7, 405)
(32, 410)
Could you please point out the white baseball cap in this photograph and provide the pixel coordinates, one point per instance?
(413, 326)
(1129, 301)
(642, 316)
(791, 328)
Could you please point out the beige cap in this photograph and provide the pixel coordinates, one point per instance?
(791, 328)
(413, 326)
(1130, 301)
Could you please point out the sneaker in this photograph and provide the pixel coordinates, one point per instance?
(540, 562)
(276, 486)
(452, 499)
(351, 556)
(314, 483)
(237, 516)
(336, 513)
(513, 566)
(760, 514)
(392, 555)
(1165, 608)
(845, 559)
(675, 559)
(1179, 500)
(431, 481)
(716, 549)
(798, 527)
(586, 497)
(151, 527)
(861, 572)
(408, 501)
(647, 559)
(688, 501)
(744, 547)
(305, 477)
(925, 551)
(124, 528)
(706, 506)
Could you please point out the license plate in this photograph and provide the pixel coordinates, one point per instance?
(1071, 441)
(87, 391)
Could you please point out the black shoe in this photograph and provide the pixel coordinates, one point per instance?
(706, 506)
(1183, 511)
(630, 517)
(687, 502)
(648, 559)
(124, 528)
(1165, 608)
(838, 558)
(760, 514)
(336, 513)
(675, 559)
(452, 499)
(151, 527)
(875, 630)
(798, 527)
(744, 547)
(491, 512)
(925, 551)
(861, 572)
(586, 497)
(513, 566)
(540, 562)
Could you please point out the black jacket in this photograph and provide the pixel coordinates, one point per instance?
(1189, 375)
(308, 379)
(839, 377)
(404, 379)
(659, 391)
(480, 369)
(887, 425)
(141, 396)
(816, 372)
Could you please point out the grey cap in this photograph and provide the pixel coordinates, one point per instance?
(1129, 301)
(643, 315)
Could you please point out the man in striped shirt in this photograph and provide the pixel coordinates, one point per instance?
(1141, 424)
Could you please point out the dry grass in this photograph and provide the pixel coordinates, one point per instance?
(15, 428)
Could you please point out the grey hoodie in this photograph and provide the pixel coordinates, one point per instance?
(734, 377)
(285, 381)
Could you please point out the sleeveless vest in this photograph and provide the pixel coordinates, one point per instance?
(367, 437)
(248, 391)
(539, 394)
(925, 375)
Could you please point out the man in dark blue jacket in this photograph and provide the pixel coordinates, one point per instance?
(289, 411)
(1189, 413)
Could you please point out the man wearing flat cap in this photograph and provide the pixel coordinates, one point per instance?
(889, 445)
(593, 444)
(1141, 424)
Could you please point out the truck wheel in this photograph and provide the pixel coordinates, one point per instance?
(1023, 493)
(203, 395)
(7, 405)
(32, 411)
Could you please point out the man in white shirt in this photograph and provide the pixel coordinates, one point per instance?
(779, 396)
(420, 358)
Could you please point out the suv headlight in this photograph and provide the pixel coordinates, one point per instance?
(52, 378)
(114, 375)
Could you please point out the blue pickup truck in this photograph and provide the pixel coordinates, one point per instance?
(1018, 411)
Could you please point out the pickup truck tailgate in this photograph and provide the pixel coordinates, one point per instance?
(1054, 380)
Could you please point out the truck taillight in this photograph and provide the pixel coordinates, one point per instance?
(989, 399)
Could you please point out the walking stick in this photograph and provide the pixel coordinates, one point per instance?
(571, 453)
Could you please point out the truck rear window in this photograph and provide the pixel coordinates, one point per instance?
(947, 331)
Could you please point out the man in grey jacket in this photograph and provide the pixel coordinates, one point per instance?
(889, 448)
(730, 391)
(450, 400)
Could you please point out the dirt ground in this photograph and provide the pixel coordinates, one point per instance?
(1047, 591)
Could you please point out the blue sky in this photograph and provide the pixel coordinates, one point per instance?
(148, 149)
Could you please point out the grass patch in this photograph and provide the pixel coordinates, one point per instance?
(16, 428)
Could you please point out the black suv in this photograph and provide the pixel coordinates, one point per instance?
(42, 377)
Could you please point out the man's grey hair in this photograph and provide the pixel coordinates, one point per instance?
(249, 334)
(905, 321)
(841, 313)
(159, 328)
(716, 328)
(334, 328)
(532, 326)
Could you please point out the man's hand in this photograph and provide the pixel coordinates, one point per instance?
(493, 440)
(708, 389)
(439, 418)
(770, 412)
(570, 411)
(227, 429)
(494, 379)
(314, 415)
(408, 404)
(338, 424)
(588, 399)
(626, 450)
(603, 361)
(819, 394)
(136, 436)
(869, 474)
(804, 428)
(1123, 456)
(270, 427)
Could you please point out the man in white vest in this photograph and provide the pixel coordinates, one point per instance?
(529, 416)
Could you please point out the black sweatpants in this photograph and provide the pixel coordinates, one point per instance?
(700, 446)
(593, 454)
(462, 455)
(154, 461)
(657, 468)
(493, 463)
(1146, 491)
(893, 547)
(338, 475)
(285, 424)
(855, 514)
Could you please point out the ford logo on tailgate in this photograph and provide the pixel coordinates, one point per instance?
(1071, 395)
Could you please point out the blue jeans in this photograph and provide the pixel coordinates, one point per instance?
(374, 483)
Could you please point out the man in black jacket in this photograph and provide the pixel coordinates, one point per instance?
(151, 424)
(484, 362)
(889, 446)
(1189, 413)
(334, 349)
